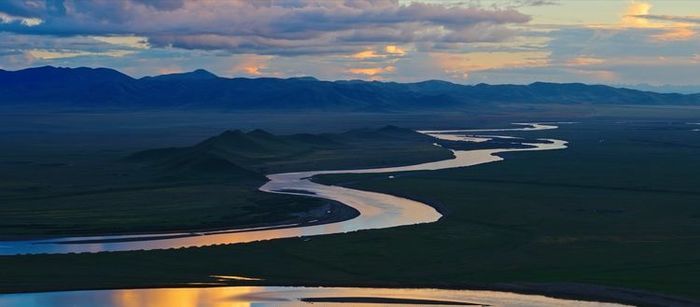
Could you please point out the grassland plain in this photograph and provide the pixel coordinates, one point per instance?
(618, 208)
(210, 185)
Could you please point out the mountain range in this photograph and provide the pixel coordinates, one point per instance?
(104, 88)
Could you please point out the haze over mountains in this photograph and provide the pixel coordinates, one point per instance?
(103, 88)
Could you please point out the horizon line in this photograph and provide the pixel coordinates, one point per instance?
(618, 85)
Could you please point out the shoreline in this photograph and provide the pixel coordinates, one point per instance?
(340, 213)
(559, 290)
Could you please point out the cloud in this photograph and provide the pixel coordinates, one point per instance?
(366, 54)
(412, 40)
(372, 71)
(390, 52)
(583, 61)
(395, 50)
(460, 66)
(598, 75)
(678, 33)
(608, 55)
(634, 10)
(683, 19)
(60, 54)
(626, 51)
(269, 27)
(524, 3)
(28, 22)
(136, 42)
(251, 65)
(675, 27)
(170, 70)
(614, 43)
(9, 41)
(671, 28)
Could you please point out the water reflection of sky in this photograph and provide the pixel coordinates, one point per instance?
(270, 296)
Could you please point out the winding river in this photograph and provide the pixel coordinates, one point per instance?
(377, 210)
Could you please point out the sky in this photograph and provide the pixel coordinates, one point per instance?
(463, 41)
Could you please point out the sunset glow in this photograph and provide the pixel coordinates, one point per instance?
(460, 41)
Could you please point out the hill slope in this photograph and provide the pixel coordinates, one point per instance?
(252, 154)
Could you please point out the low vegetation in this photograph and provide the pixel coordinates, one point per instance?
(618, 208)
(210, 185)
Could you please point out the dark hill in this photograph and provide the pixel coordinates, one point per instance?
(251, 154)
(101, 88)
(231, 151)
(192, 165)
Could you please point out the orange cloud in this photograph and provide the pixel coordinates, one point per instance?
(460, 65)
(371, 71)
(674, 31)
(634, 10)
(169, 70)
(367, 54)
(389, 51)
(253, 70)
(583, 61)
(250, 65)
(395, 50)
(679, 33)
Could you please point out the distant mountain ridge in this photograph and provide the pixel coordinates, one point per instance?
(200, 89)
(199, 74)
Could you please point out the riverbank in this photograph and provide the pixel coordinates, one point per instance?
(565, 291)
(326, 212)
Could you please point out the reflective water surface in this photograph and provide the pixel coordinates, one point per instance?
(281, 296)
(377, 210)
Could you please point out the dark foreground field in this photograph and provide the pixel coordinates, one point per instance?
(618, 208)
